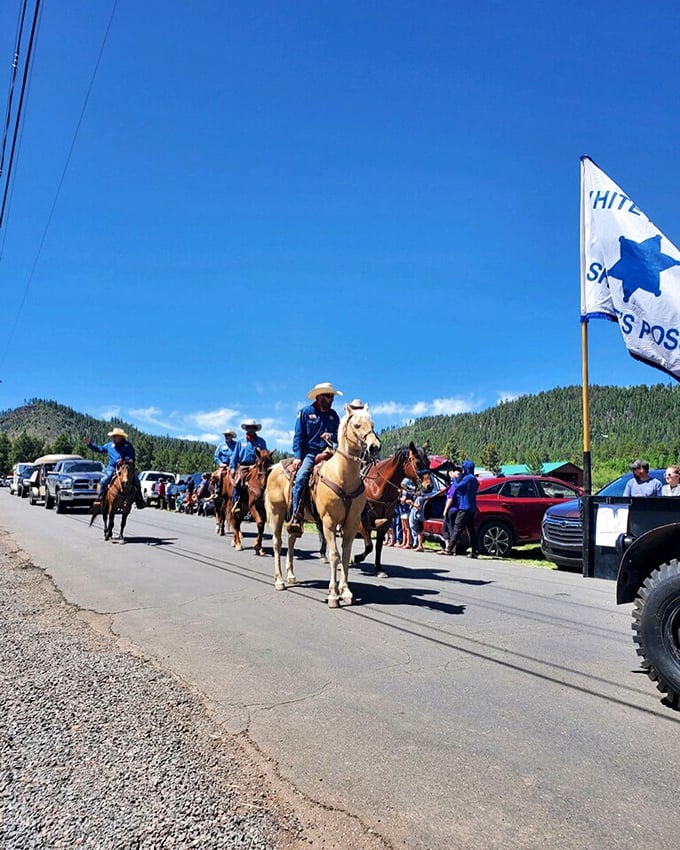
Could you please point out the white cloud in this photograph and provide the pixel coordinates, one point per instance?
(216, 420)
(435, 407)
(109, 412)
(506, 395)
(149, 416)
(214, 439)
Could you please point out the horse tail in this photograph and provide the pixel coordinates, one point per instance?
(94, 512)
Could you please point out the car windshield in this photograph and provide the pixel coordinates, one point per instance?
(83, 466)
(616, 487)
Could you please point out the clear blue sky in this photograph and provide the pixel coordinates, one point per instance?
(263, 196)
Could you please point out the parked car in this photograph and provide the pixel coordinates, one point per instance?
(509, 513)
(562, 526)
(16, 484)
(74, 483)
(41, 467)
(21, 480)
(148, 479)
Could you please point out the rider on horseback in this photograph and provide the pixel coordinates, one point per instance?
(119, 449)
(245, 455)
(223, 455)
(316, 429)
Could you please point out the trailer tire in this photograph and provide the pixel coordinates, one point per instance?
(656, 623)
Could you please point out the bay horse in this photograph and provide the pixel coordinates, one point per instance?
(383, 482)
(119, 496)
(338, 496)
(251, 500)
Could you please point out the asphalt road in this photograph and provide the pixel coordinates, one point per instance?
(457, 704)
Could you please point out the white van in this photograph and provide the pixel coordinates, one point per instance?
(17, 473)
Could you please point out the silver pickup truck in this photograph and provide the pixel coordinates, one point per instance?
(72, 482)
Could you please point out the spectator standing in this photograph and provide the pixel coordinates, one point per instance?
(405, 504)
(641, 485)
(161, 493)
(466, 498)
(427, 489)
(450, 511)
(672, 485)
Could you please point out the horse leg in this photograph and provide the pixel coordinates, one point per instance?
(333, 598)
(236, 526)
(123, 520)
(345, 593)
(379, 540)
(256, 514)
(368, 545)
(276, 520)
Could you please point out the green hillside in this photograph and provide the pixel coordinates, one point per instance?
(626, 422)
(42, 427)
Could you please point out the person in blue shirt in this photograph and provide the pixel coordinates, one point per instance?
(120, 448)
(223, 455)
(466, 501)
(244, 456)
(316, 430)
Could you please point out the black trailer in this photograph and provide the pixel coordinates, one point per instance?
(636, 542)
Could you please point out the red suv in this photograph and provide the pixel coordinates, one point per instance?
(509, 511)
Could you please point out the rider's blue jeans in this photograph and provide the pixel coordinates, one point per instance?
(301, 480)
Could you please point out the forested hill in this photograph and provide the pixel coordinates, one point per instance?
(42, 427)
(625, 423)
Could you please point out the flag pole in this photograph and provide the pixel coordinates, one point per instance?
(587, 480)
(587, 483)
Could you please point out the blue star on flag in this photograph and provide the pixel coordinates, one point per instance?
(640, 265)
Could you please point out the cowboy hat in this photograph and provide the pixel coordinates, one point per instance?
(117, 432)
(322, 389)
(356, 404)
(229, 433)
(251, 423)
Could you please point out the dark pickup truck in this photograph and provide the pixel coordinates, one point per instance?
(72, 482)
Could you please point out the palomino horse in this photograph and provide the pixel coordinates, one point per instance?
(119, 496)
(338, 497)
(382, 482)
(251, 500)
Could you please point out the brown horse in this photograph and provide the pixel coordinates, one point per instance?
(382, 482)
(119, 496)
(251, 500)
(338, 497)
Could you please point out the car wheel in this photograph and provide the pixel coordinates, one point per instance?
(49, 501)
(494, 538)
(656, 623)
(61, 508)
(31, 497)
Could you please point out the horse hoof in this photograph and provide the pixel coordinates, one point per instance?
(333, 602)
(381, 574)
(291, 580)
(238, 548)
(279, 585)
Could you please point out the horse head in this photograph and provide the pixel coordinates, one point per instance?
(125, 471)
(416, 463)
(262, 466)
(358, 431)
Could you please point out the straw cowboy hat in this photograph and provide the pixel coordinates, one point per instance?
(229, 433)
(117, 432)
(357, 404)
(321, 389)
(251, 423)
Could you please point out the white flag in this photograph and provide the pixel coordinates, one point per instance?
(630, 272)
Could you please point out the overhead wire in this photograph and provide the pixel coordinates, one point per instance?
(29, 281)
(12, 81)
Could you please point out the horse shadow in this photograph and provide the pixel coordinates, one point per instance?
(424, 575)
(150, 541)
(372, 594)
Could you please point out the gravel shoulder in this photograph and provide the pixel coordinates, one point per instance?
(101, 748)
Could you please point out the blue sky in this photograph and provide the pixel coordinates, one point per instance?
(264, 196)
